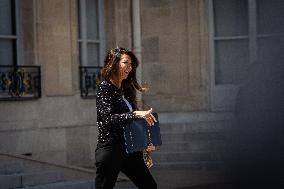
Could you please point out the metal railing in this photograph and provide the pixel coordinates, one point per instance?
(90, 77)
(20, 82)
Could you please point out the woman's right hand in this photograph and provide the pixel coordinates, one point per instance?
(151, 148)
(147, 115)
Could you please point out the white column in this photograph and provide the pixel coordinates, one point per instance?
(137, 41)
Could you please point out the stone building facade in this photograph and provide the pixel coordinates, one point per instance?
(181, 45)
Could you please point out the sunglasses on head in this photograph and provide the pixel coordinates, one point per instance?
(118, 51)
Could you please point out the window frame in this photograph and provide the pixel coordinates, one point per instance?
(90, 74)
(222, 97)
(16, 38)
(82, 26)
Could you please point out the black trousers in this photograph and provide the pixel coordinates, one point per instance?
(110, 160)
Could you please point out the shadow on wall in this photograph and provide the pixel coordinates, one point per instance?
(258, 141)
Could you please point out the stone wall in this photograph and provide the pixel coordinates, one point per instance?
(118, 29)
(174, 50)
(61, 126)
(174, 55)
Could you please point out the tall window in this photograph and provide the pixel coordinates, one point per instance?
(91, 45)
(241, 33)
(9, 32)
(17, 81)
(230, 40)
(270, 29)
(91, 38)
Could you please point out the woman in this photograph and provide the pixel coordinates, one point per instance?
(116, 107)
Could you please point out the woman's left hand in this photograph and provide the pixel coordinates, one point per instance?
(147, 115)
(151, 148)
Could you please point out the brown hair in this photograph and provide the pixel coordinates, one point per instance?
(111, 67)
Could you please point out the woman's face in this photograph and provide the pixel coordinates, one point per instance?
(125, 66)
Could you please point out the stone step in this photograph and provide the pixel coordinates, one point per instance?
(193, 141)
(29, 179)
(188, 136)
(193, 117)
(10, 167)
(187, 156)
(202, 126)
(26, 173)
(64, 185)
(190, 165)
(196, 146)
(10, 181)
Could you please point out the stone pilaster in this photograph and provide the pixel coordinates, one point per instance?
(54, 26)
(174, 55)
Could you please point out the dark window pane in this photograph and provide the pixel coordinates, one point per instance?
(6, 17)
(93, 54)
(79, 20)
(270, 49)
(6, 51)
(81, 54)
(92, 19)
(231, 17)
(270, 16)
(232, 60)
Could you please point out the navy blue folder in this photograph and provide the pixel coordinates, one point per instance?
(138, 135)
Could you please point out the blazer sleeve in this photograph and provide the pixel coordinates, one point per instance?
(105, 108)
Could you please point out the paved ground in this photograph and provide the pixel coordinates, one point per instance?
(210, 179)
(206, 179)
(178, 179)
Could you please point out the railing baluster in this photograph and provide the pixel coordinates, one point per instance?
(24, 82)
(89, 78)
(19, 82)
